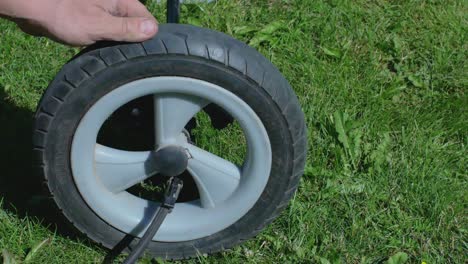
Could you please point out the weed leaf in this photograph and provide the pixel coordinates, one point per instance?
(267, 33)
(416, 81)
(331, 52)
(244, 30)
(381, 155)
(398, 258)
(260, 38)
(340, 120)
(194, 21)
(397, 44)
(273, 27)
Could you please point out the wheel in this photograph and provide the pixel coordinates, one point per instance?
(96, 147)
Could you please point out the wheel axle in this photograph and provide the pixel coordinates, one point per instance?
(171, 160)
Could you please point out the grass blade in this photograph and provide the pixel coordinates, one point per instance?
(36, 248)
(8, 258)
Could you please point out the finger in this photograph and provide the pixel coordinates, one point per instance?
(132, 8)
(131, 29)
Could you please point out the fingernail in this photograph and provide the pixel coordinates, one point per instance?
(147, 27)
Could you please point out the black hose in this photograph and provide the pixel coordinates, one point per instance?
(166, 207)
(150, 233)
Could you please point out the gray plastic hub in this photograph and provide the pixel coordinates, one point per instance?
(227, 192)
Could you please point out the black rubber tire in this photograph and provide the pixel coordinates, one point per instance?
(177, 50)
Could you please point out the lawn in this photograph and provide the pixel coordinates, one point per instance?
(383, 86)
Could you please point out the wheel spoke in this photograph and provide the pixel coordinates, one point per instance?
(119, 170)
(172, 113)
(216, 178)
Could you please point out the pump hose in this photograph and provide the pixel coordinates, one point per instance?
(166, 207)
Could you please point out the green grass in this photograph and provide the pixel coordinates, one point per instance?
(383, 85)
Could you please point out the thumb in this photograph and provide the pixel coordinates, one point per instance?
(131, 29)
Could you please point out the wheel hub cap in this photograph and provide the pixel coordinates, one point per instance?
(171, 161)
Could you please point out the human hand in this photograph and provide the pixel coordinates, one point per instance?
(82, 22)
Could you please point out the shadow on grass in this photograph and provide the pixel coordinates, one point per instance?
(21, 187)
(22, 190)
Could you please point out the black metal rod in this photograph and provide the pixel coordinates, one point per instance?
(173, 11)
